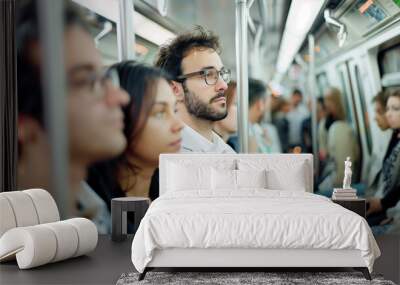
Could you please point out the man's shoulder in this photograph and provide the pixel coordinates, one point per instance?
(222, 146)
(191, 140)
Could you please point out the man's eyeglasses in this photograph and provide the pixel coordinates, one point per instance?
(210, 75)
(97, 83)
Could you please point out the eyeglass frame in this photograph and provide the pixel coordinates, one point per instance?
(202, 72)
(98, 80)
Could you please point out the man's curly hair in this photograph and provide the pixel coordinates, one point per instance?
(170, 56)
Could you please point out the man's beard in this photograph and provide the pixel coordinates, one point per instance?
(203, 110)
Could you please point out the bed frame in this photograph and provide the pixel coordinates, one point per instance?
(246, 258)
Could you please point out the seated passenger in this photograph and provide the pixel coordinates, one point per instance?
(93, 112)
(279, 110)
(306, 126)
(378, 209)
(322, 138)
(341, 143)
(374, 179)
(257, 108)
(271, 132)
(199, 83)
(227, 127)
(295, 117)
(151, 127)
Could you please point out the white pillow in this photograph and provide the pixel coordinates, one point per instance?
(294, 180)
(223, 179)
(282, 172)
(202, 161)
(251, 178)
(182, 177)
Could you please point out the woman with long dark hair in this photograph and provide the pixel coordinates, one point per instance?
(383, 211)
(150, 127)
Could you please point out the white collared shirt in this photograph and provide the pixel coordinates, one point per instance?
(192, 141)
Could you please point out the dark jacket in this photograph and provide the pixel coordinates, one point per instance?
(391, 173)
(103, 181)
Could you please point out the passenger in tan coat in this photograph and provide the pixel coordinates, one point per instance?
(341, 143)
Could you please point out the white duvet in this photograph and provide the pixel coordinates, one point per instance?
(253, 218)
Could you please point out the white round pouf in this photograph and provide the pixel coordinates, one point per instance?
(67, 239)
(45, 205)
(87, 234)
(23, 208)
(34, 246)
(7, 218)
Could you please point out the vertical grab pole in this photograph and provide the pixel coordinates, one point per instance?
(51, 29)
(311, 88)
(242, 73)
(125, 30)
(8, 97)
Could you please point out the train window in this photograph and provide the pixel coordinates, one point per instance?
(322, 82)
(363, 108)
(349, 117)
(389, 65)
(104, 33)
(145, 51)
(389, 60)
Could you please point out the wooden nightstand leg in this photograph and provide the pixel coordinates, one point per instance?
(364, 271)
(142, 275)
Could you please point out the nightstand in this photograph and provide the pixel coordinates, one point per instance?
(356, 205)
(119, 209)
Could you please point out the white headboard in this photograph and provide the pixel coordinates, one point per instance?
(211, 158)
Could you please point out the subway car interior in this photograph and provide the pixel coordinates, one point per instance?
(200, 141)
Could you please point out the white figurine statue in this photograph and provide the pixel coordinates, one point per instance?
(347, 174)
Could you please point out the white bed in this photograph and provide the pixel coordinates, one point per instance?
(222, 225)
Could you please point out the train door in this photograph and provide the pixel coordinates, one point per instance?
(349, 105)
(360, 105)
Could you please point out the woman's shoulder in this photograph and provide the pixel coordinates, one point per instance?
(340, 126)
(339, 132)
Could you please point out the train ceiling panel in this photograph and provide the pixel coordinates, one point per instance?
(362, 19)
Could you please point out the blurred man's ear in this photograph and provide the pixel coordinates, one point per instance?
(29, 130)
(177, 88)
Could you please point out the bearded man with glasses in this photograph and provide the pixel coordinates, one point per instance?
(200, 82)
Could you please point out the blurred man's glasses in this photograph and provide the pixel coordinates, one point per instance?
(97, 83)
(210, 75)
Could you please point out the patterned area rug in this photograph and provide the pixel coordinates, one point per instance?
(225, 278)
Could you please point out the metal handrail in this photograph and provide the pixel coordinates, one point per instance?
(51, 27)
(313, 96)
(242, 73)
(125, 30)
